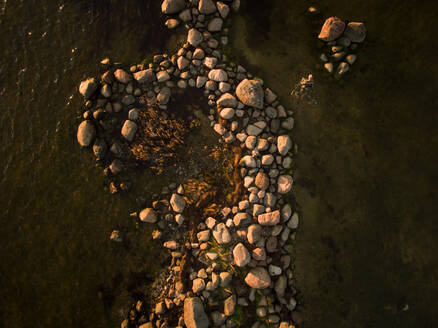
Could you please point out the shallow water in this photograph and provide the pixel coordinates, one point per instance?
(364, 175)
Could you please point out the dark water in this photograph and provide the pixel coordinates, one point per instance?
(365, 177)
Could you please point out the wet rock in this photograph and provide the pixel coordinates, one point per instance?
(194, 314)
(178, 203)
(221, 233)
(100, 148)
(129, 129)
(206, 7)
(145, 76)
(122, 76)
(105, 90)
(284, 144)
(194, 37)
(230, 305)
(86, 133)
(356, 31)
(269, 219)
(88, 87)
(258, 278)
(254, 233)
(250, 93)
(172, 6)
(241, 255)
(284, 184)
(227, 100)
(218, 75)
(215, 25)
(332, 29)
(148, 215)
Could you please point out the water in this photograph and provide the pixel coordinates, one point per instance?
(364, 177)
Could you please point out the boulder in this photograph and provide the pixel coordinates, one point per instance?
(194, 37)
(221, 233)
(88, 87)
(284, 144)
(86, 133)
(198, 285)
(269, 219)
(356, 31)
(122, 76)
(241, 255)
(163, 76)
(215, 25)
(262, 181)
(250, 93)
(206, 7)
(145, 76)
(332, 29)
(223, 9)
(172, 6)
(194, 314)
(178, 203)
(218, 75)
(284, 184)
(227, 100)
(254, 233)
(129, 129)
(227, 113)
(258, 278)
(148, 215)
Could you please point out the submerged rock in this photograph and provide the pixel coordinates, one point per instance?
(250, 93)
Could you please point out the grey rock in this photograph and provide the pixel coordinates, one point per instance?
(223, 9)
(194, 37)
(206, 7)
(86, 133)
(288, 123)
(221, 233)
(185, 15)
(215, 25)
(284, 184)
(88, 87)
(227, 100)
(122, 76)
(194, 314)
(218, 318)
(284, 144)
(250, 93)
(356, 31)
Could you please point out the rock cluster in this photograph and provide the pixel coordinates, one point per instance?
(236, 259)
(341, 43)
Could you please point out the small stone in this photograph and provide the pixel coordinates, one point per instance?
(116, 236)
(227, 100)
(225, 278)
(160, 308)
(329, 67)
(206, 7)
(343, 68)
(194, 314)
(194, 37)
(172, 6)
(86, 133)
(122, 76)
(129, 129)
(262, 181)
(218, 75)
(227, 113)
(284, 144)
(163, 76)
(258, 278)
(332, 29)
(254, 233)
(230, 305)
(178, 203)
(203, 236)
(198, 285)
(351, 59)
(259, 254)
(223, 9)
(148, 215)
(274, 270)
(171, 23)
(293, 222)
(215, 25)
(269, 219)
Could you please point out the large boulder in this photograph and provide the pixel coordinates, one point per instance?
(88, 87)
(145, 76)
(86, 133)
(258, 278)
(194, 314)
(332, 29)
(129, 129)
(172, 6)
(356, 31)
(250, 93)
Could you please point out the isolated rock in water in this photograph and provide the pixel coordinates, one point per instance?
(258, 278)
(172, 6)
(178, 203)
(356, 31)
(88, 87)
(332, 29)
(227, 100)
(284, 144)
(148, 215)
(250, 93)
(221, 233)
(122, 76)
(86, 133)
(269, 219)
(284, 184)
(206, 7)
(194, 37)
(194, 314)
(129, 129)
(145, 76)
(241, 255)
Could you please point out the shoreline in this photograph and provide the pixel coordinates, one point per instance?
(244, 113)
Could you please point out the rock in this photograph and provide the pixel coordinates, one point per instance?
(122, 76)
(105, 90)
(223, 9)
(218, 318)
(88, 87)
(274, 270)
(262, 181)
(148, 215)
(206, 7)
(351, 59)
(116, 166)
(160, 308)
(269, 219)
(329, 67)
(241, 219)
(215, 25)
(284, 144)
(129, 129)
(100, 148)
(198, 285)
(356, 31)
(200, 81)
(227, 100)
(171, 23)
(227, 113)
(178, 203)
(210, 62)
(248, 161)
(172, 6)
(253, 130)
(259, 254)
(185, 15)
(221, 233)
(270, 96)
(288, 123)
(284, 184)
(86, 133)
(254, 233)
(133, 114)
(230, 305)
(219, 129)
(128, 100)
(342, 68)
(250, 93)
(198, 54)
(116, 236)
(293, 222)
(225, 278)
(194, 37)
(203, 236)
(163, 76)
(145, 76)
(194, 314)
(332, 29)
(343, 41)
(218, 75)
(241, 255)
(258, 278)
(267, 159)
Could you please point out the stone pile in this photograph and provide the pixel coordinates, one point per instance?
(341, 42)
(233, 267)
